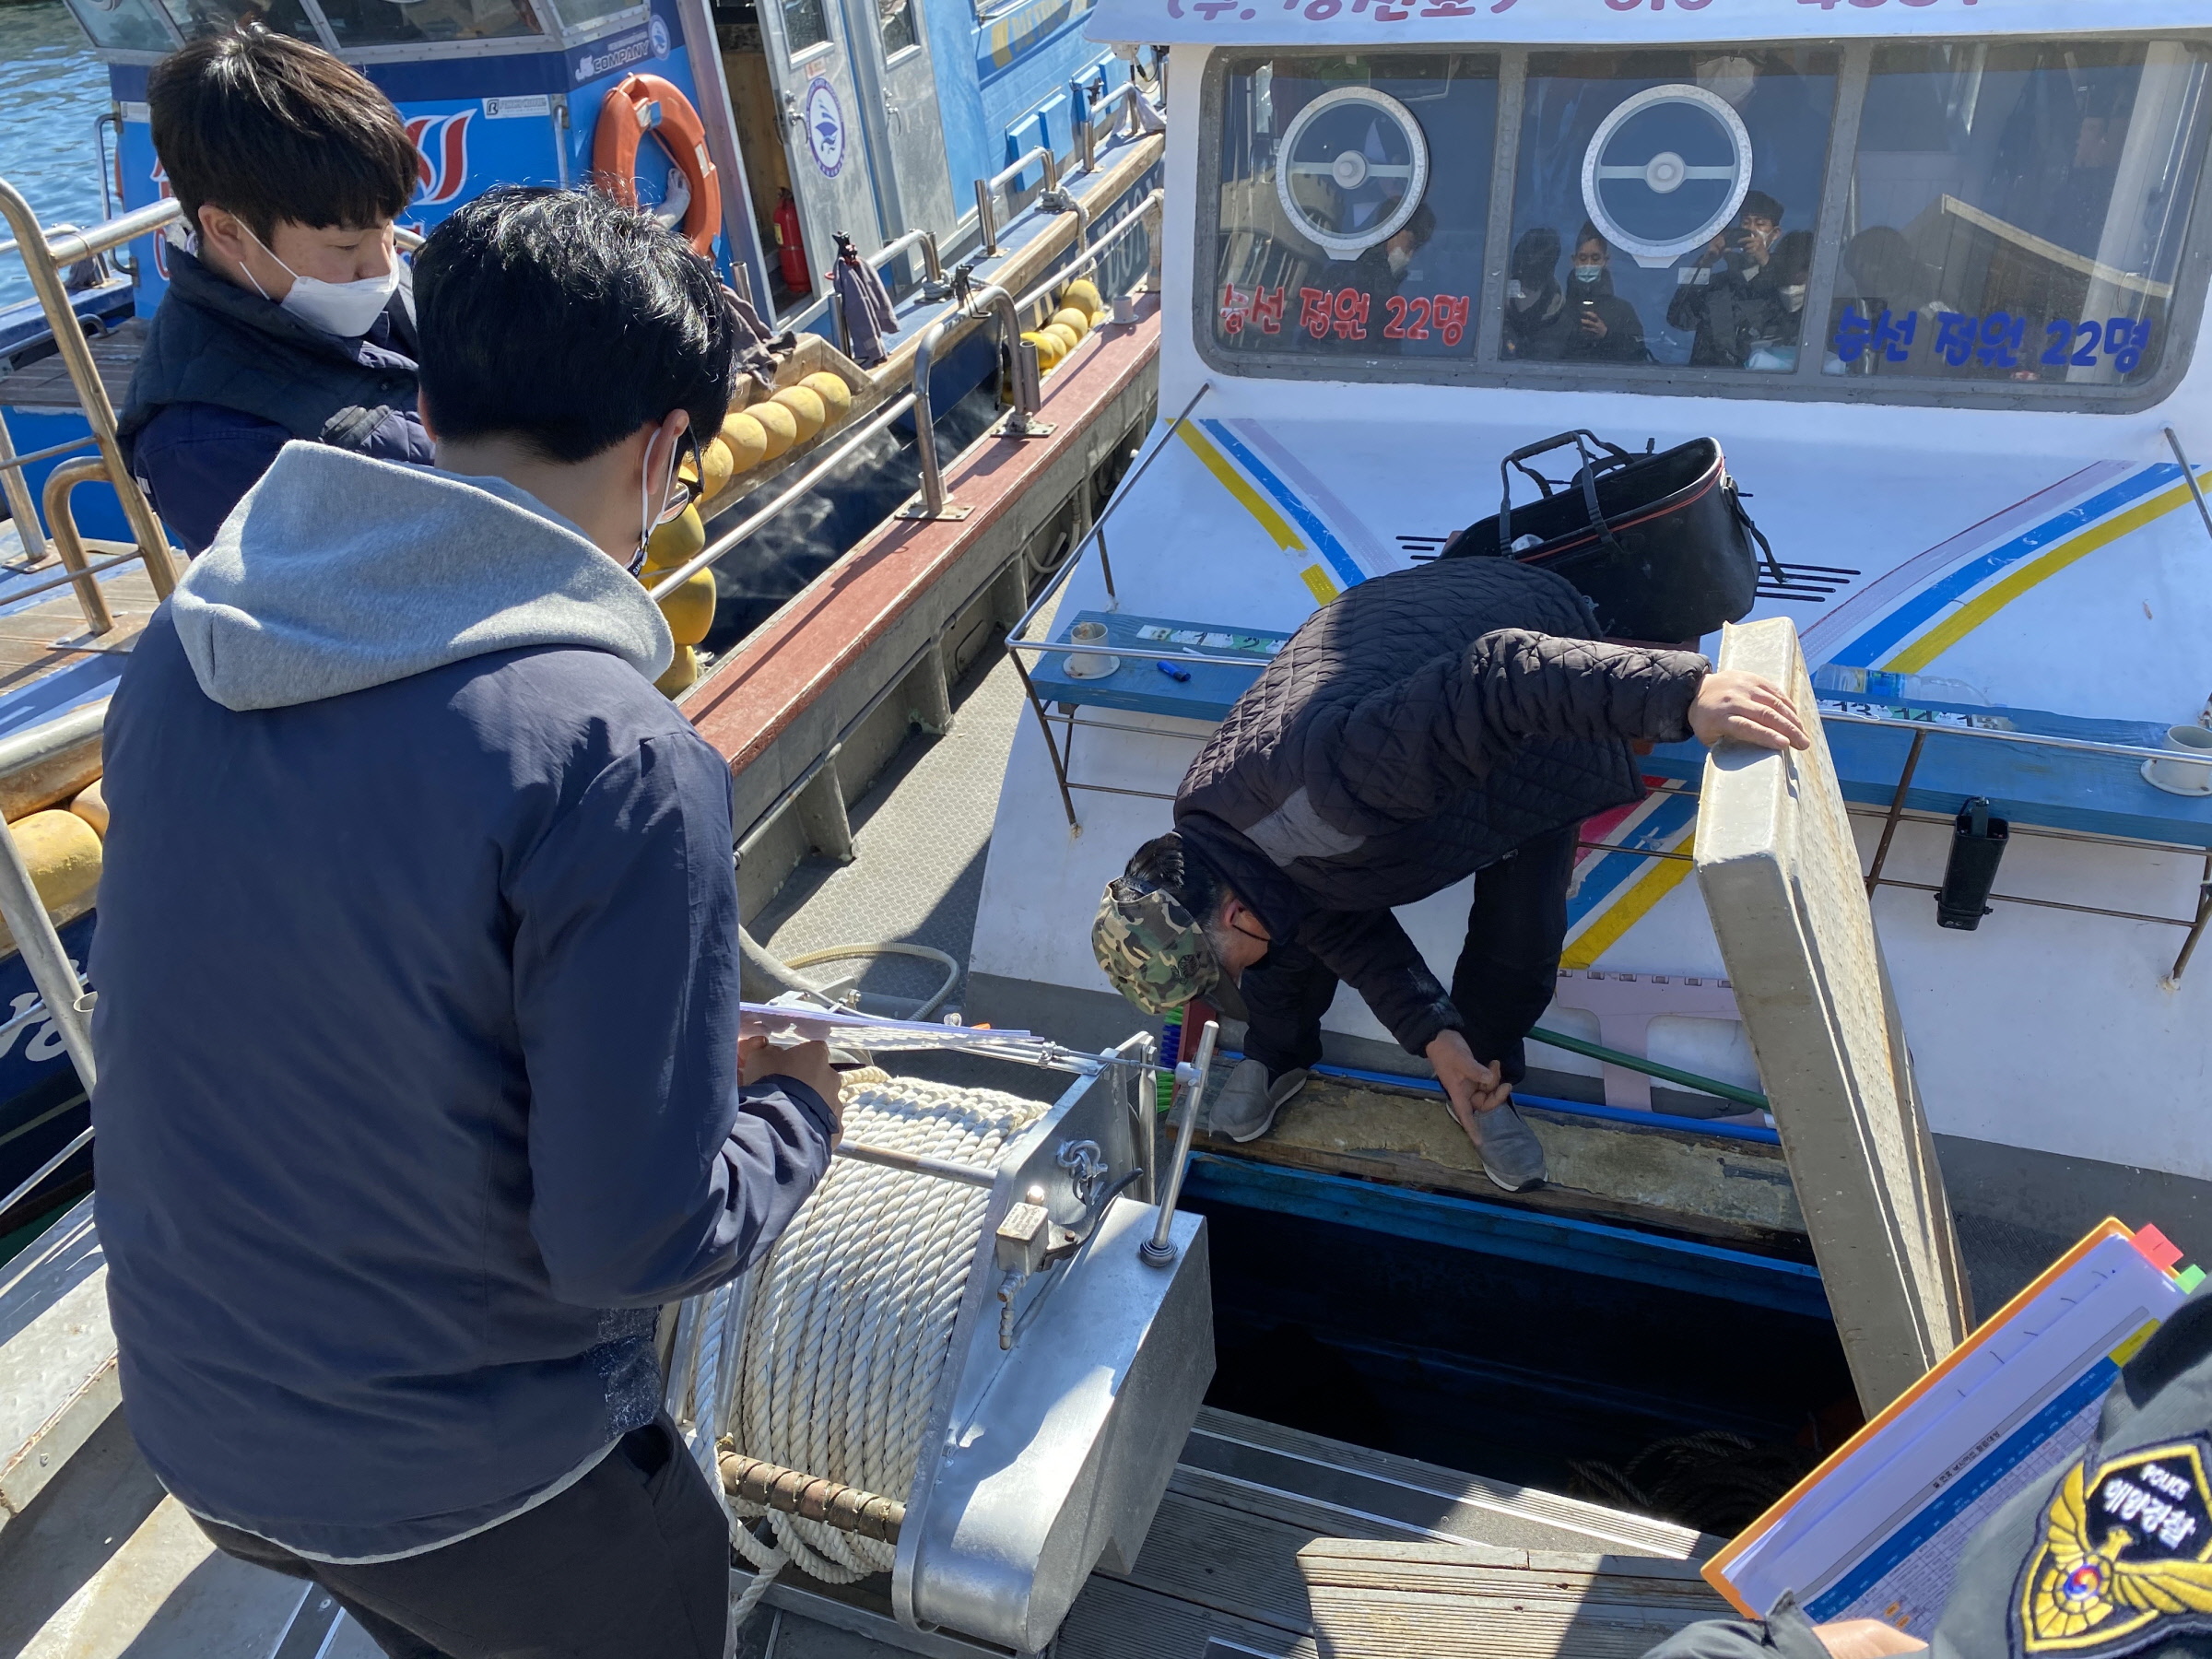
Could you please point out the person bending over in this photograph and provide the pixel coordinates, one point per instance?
(1442, 722)
(289, 313)
(421, 1080)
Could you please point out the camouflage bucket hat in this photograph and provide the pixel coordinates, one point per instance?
(1152, 950)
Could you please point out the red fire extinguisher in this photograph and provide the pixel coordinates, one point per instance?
(790, 255)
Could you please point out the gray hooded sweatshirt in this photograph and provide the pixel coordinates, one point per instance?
(418, 970)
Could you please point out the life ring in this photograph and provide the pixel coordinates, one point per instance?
(642, 102)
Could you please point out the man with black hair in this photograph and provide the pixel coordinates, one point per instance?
(1442, 722)
(1723, 295)
(421, 1085)
(288, 313)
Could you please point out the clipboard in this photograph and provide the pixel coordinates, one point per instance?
(1877, 1531)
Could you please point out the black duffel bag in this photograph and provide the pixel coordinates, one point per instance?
(1659, 544)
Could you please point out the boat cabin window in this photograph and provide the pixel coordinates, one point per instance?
(198, 17)
(123, 25)
(1999, 221)
(895, 19)
(1354, 205)
(2017, 211)
(1663, 207)
(405, 22)
(580, 16)
(806, 26)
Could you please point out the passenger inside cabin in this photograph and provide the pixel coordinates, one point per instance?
(1604, 328)
(1777, 316)
(1448, 721)
(289, 314)
(1723, 295)
(1536, 307)
(421, 1087)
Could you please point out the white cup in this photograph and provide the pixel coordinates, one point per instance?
(2183, 777)
(1089, 664)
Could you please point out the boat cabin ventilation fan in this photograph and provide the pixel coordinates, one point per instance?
(955, 1367)
(1352, 170)
(1667, 171)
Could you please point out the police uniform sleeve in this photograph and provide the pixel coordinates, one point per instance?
(1785, 1633)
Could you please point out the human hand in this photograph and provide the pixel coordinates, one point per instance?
(1469, 1085)
(1593, 324)
(807, 1062)
(1867, 1639)
(1748, 709)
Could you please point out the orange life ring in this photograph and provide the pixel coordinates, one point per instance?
(625, 117)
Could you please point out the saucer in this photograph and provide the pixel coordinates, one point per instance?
(2175, 789)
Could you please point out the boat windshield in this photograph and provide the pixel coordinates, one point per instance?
(2004, 218)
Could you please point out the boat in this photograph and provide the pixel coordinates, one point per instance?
(1439, 1414)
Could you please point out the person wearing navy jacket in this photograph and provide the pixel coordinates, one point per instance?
(421, 1085)
(289, 313)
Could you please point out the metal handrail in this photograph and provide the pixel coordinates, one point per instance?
(933, 285)
(44, 260)
(925, 349)
(1150, 211)
(716, 551)
(1925, 728)
(986, 191)
(933, 267)
(1125, 101)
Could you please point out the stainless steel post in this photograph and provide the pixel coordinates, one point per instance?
(59, 987)
(1155, 1250)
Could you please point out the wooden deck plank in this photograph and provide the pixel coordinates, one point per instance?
(1730, 1191)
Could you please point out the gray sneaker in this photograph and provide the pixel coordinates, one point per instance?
(1245, 1108)
(1511, 1155)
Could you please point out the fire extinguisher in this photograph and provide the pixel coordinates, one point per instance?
(790, 255)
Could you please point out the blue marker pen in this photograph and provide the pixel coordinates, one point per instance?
(1180, 675)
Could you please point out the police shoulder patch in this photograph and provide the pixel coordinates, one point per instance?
(2125, 1559)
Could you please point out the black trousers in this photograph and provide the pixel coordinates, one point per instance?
(631, 1562)
(1507, 971)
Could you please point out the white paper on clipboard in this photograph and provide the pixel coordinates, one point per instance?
(1877, 1531)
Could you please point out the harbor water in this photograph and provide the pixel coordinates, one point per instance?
(51, 90)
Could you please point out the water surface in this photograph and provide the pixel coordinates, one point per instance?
(51, 88)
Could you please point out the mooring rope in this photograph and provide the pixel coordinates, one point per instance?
(849, 1320)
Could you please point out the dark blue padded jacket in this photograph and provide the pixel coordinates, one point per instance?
(228, 377)
(418, 1016)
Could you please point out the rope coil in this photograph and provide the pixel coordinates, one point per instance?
(849, 1324)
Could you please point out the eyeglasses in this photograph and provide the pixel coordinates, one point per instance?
(683, 491)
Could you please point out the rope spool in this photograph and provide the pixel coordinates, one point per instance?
(849, 1325)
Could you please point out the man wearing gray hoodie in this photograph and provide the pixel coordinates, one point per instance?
(421, 1085)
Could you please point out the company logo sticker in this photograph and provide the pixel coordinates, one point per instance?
(824, 119)
(441, 156)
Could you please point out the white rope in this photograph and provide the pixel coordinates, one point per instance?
(850, 1321)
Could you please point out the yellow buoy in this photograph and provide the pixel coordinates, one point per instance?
(92, 806)
(682, 675)
(781, 425)
(806, 408)
(690, 609)
(714, 456)
(837, 397)
(62, 854)
(747, 441)
(1073, 318)
(1082, 293)
(1069, 339)
(676, 541)
(1050, 351)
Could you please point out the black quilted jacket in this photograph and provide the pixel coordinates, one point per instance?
(1418, 727)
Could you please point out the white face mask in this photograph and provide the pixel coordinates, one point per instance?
(1793, 296)
(1399, 260)
(1588, 273)
(346, 309)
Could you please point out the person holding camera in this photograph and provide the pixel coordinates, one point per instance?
(1727, 290)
